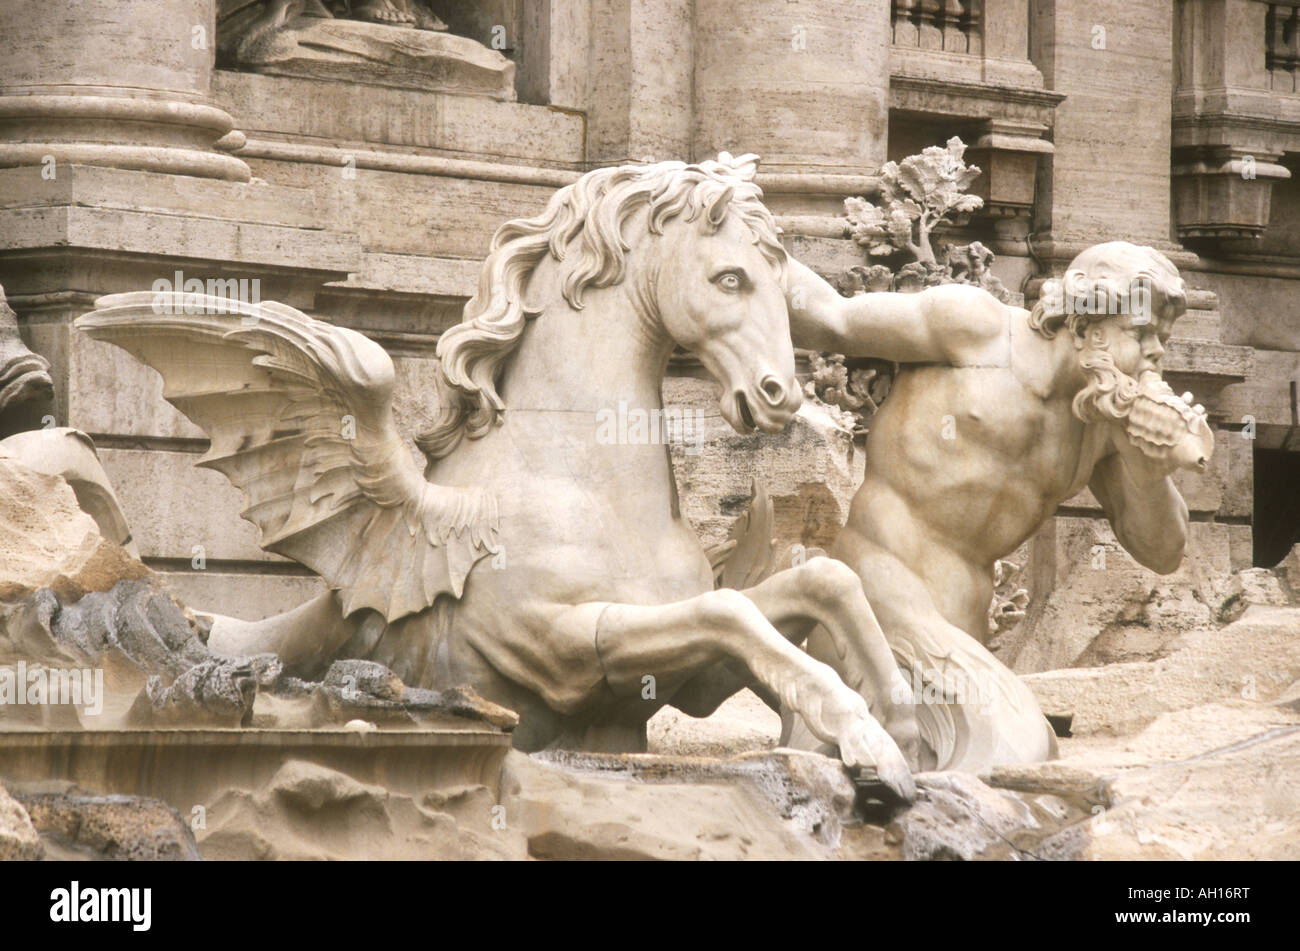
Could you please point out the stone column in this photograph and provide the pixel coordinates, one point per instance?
(1110, 173)
(804, 83)
(638, 86)
(112, 83)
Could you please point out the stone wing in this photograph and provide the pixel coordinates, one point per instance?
(299, 413)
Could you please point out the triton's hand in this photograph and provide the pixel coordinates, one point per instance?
(1168, 428)
(1141, 467)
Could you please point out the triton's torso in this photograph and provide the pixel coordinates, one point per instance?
(973, 454)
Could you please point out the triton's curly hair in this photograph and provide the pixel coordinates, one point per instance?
(1111, 278)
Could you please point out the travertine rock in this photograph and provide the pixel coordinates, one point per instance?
(76, 826)
(1099, 606)
(810, 471)
(1288, 570)
(214, 692)
(779, 805)
(1253, 586)
(1226, 794)
(742, 723)
(362, 689)
(308, 811)
(1255, 657)
(958, 817)
(47, 541)
(18, 838)
(159, 672)
(136, 620)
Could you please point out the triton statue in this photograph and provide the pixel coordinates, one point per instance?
(997, 416)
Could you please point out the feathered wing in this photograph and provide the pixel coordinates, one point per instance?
(300, 416)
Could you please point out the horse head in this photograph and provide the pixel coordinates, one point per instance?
(720, 274)
(694, 250)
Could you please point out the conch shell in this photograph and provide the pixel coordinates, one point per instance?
(1165, 426)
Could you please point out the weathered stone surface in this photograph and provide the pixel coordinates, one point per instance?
(215, 692)
(18, 838)
(1288, 570)
(1184, 758)
(781, 805)
(361, 689)
(378, 53)
(810, 471)
(1253, 586)
(137, 619)
(1235, 801)
(133, 828)
(1256, 656)
(159, 673)
(744, 722)
(308, 811)
(1092, 603)
(958, 817)
(47, 541)
(119, 638)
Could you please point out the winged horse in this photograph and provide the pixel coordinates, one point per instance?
(551, 571)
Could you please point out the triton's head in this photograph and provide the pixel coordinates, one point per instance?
(1118, 301)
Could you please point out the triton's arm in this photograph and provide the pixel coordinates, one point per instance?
(1145, 509)
(954, 323)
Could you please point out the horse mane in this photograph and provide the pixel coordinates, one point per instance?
(596, 208)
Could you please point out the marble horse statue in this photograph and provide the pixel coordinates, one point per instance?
(550, 570)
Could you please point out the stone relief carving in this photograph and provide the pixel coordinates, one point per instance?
(387, 42)
(1010, 600)
(917, 196)
(551, 572)
(487, 563)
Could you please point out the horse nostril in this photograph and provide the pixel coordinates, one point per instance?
(773, 390)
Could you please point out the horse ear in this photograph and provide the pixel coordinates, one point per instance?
(718, 210)
(744, 167)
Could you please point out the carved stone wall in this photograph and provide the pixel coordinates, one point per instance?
(372, 204)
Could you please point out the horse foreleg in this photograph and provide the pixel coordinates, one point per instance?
(827, 592)
(672, 642)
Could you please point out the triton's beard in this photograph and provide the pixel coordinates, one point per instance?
(1109, 392)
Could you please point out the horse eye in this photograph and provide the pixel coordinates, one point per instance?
(730, 281)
